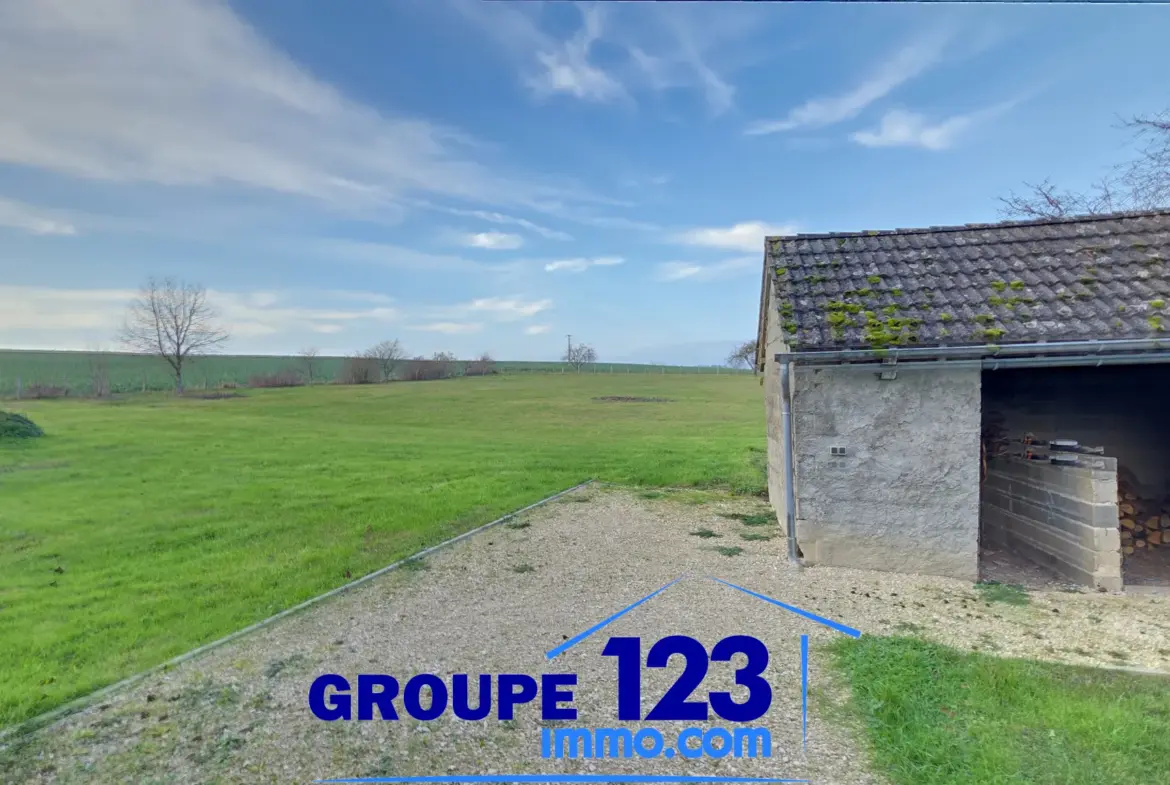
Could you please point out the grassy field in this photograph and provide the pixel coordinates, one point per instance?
(936, 716)
(137, 373)
(136, 530)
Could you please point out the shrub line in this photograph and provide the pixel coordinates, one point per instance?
(78, 704)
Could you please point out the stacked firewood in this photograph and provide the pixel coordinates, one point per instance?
(1144, 522)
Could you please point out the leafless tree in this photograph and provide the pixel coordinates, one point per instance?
(444, 363)
(309, 358)
(172, 320)
(579, 356)
(1140, 184)
(359, 369)
(99, 371)
(387, 354)
(743, 356)
(481, 366)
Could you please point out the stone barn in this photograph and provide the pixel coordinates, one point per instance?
(937, 394)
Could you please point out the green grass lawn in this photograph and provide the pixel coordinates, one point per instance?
(134, 531)
(139, 373)
(936, 716)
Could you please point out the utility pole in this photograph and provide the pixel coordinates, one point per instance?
(569, 351)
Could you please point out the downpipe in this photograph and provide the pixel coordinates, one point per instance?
(789, 467)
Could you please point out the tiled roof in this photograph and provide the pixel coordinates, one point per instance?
(1089, 278)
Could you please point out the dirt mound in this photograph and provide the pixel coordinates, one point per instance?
(630, 399)
(17, 426)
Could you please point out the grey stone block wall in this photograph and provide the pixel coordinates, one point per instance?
(1063, 517)
(905, 496)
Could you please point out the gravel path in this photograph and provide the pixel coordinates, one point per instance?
(496, 602)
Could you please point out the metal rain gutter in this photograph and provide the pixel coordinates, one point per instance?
(998, 363)
(954, 354)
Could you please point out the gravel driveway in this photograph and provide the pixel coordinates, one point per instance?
(498, 601)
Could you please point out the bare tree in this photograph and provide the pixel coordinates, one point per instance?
(172, 320)
(579, 356)
(309, 358)
(1140, 184)
(481, 366)
(444, 363)
(387, 354)
(743, 356)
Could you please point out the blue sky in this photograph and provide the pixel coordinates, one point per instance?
(490, 176)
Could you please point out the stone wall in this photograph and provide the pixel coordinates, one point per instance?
(905, 495)
(1064, 517)
(775, 345)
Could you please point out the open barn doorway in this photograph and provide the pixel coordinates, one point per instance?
(1076, 474)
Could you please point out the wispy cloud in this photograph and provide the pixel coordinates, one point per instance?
(500, 309)
(395, 256)
(68, 313)
(696, 271)
(902, 128)
(747, 236)
(494, 217)
(493, 241)
(35, 220)
(671, 51)
(565, 66)
(186, 93)
(448, 328)
(536, 329)
(581, 265)
(907, 63)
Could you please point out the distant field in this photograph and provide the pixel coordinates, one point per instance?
(137, 373)
(139, 528)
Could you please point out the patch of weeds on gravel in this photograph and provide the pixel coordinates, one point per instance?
(651, 494)
(276, 667)
(518, 525)
(750, 519)
(416, 565)
(705, 534)
(1118, 655)
(730, 550)
(523, 568)
(755, 536)
(909, 627)
(1008, 593)
(208, 692)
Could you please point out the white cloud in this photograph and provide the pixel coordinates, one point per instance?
(694, 271)
(186, 93)
(670, 52)
(909, 62)
(566, 67)
(494, 217)
(27, 218)
(901, 128)
(449, 328)
(581, 265)
(396, 256)
(327, 329)
(746, 236)
(495, 241)
(74, 316)
(507, 308)
(536, 329)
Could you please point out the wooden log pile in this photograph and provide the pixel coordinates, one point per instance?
(1144, 522)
